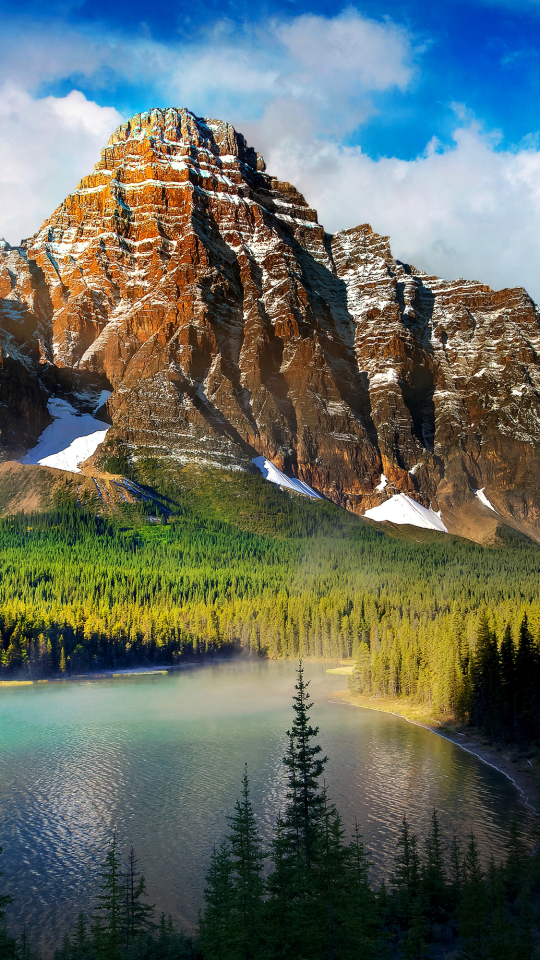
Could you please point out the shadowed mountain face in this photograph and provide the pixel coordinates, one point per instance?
(204, 293)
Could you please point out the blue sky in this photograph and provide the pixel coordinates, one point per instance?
(419, 117)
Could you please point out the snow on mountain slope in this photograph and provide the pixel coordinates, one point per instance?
(230, 325)
(403, 509)
(483, 499)
(270, 472)
(69, 440)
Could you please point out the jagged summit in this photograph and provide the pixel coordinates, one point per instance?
(228, 326)
(179, 126)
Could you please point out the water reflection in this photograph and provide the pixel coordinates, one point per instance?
(161, 759)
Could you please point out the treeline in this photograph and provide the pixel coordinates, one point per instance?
(243, 567)
(491, 680)
(309, 895)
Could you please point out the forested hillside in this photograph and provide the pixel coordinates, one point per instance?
(226, 561)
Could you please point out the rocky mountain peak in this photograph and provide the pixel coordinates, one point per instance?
(172, 128)
(228, 326)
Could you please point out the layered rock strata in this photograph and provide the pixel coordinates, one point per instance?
(229, 325)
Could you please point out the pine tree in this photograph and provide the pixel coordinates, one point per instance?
(456, 866)
(304, 768)
(81, 943)
(218, 934)
(406, 877)
(280, 888)
(474, 907)
(110, 902)
(508, 666)
(247, 861)
(137, 913)
(360, 902)
(434, 873)
(526, 684)
(486, 676)
(331, 858)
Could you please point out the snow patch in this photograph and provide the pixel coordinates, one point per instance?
(69, 440)
(403, 509)
(483, 499)
(382, 484)
(103, 397)
(274, 475)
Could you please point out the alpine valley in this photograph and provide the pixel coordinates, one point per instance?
(225, 431)
(223, 428)
(196, 302)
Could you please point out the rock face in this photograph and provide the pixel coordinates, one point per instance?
(229, 325)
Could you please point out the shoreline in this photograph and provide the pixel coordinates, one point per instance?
(523, 780)
(163, 670)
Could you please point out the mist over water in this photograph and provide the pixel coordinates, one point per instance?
(161, 759)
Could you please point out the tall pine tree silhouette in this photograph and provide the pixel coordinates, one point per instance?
(247, 884)
(108, 926)
(304, 767)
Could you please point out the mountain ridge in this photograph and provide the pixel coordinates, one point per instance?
(229, 326)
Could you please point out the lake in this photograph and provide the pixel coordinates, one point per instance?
(160, 758)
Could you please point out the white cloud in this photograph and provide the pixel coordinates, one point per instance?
(296, 88)
(317, 73)
(469, 210)
(46, 146)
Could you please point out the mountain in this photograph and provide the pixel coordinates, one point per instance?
(228, 325)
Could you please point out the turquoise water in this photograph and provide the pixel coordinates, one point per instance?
(161, 758)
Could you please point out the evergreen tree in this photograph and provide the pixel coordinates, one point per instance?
(247, 885)
(304, 768)
(280, 888)
(218, 933)
(328, 935)
(486, 675)
(456, 867)
(81, 942)
(109, 907)
(434, 874)
(137, 913)
(526, 684)
(360, 903)
(474, 907)
(406, 877)
(508, 666)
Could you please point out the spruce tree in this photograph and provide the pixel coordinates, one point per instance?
(434, 873)
(280, 887)
(474, 906)
(80, 940)
(486, 676)
(526, 684)
(247, 860)
(508, 686)
(137, 913)
(328, 935)
(304, 768)
(218, 935)
(110, 902)
(406, 876)
(360, 903)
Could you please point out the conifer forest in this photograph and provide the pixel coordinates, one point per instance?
(234, 565)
